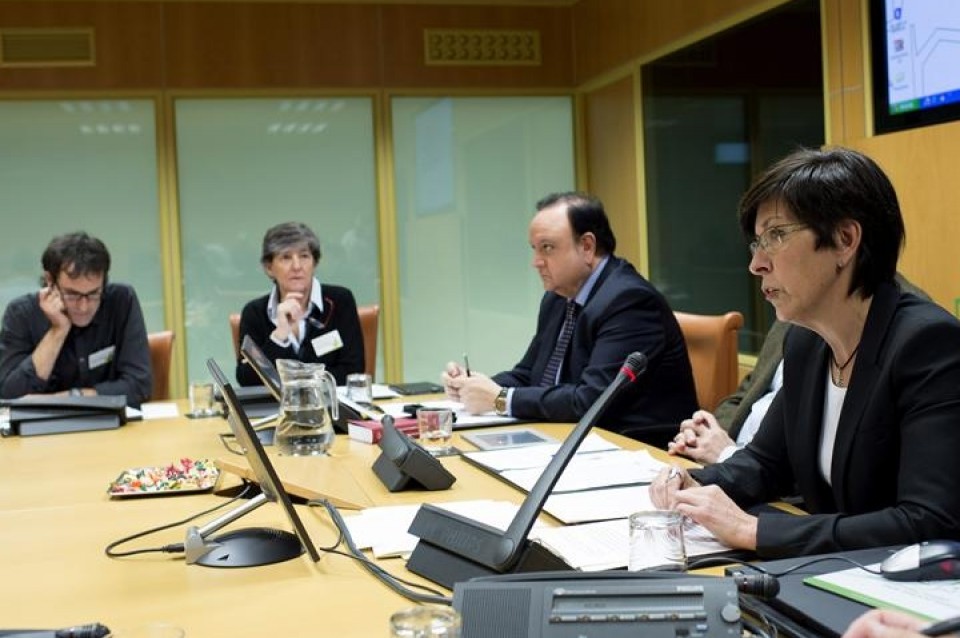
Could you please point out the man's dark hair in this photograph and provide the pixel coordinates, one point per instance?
(77, 254)
(586, 215)
(823, 188)
(286, 236)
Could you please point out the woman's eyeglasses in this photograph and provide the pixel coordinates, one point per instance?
(772, 239)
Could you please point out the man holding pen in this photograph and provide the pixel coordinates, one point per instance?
(597, 310)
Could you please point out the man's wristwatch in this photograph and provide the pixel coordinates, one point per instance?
(76, 392)
(500, 403)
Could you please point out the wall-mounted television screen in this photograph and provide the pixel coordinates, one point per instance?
(915, 56)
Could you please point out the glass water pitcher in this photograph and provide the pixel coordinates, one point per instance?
(308, 409)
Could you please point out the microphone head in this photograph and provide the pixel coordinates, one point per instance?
(636, 363)
(763, 586)
(769, 586)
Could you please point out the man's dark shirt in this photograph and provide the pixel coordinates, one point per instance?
(118, 324)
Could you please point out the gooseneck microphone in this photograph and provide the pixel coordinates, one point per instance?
(453, 548)
(760, 585)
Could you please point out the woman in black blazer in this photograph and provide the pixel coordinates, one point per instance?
(299, 319)
(867, 425)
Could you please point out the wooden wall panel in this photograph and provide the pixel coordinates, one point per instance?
(609, 33)
(922, 165)
(244, 45)
(845, 70)
(222, 45)
(128, 47)
(920, 162)
(404, 66)
(610, 145)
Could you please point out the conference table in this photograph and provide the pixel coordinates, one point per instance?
(57, 518)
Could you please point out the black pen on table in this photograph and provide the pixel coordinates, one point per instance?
(466, 363)
(948, 626)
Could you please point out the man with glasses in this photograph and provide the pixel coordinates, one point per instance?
(79, 335)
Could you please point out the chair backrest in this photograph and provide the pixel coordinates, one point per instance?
(235, 331)
(712, 347)
(161, 349)
(369, 325)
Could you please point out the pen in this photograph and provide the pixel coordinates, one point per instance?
(948, 626)
(466, 363)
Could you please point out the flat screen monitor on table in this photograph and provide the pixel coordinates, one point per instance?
(251, 546)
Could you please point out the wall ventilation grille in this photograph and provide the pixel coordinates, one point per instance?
(481, 47)
(46, 47)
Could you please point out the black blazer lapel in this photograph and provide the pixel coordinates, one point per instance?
(858, 398)
(805, 413)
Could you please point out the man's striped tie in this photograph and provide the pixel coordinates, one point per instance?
(560, 350)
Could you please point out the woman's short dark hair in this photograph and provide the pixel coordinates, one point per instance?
(286, 236)
(77, 254)
(824, 188)
(586, 215)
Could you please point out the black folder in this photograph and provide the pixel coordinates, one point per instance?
(805, 611)
(31, 416)
(256, 401)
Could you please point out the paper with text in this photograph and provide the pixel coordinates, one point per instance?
(606, 544)
(533, 456)
(934, 600)
(594, 470)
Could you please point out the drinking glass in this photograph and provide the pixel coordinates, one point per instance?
(425, 622)
(201, 399)
(656, 541)
(360, 388)
(435, 426)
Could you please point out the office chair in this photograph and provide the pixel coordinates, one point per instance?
(712, 348)
(161, 349)
(235, 332)
(369, 326)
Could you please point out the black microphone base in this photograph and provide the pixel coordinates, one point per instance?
(251, 547)
(447, 568)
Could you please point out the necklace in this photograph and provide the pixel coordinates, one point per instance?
(841, 368)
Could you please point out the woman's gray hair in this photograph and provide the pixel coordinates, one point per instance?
(286, 236)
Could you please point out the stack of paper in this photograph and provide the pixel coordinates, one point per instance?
(601, 481)
(935, 599)
(606, 545)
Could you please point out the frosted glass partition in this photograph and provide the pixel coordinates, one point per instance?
(68, 165)
(247, 164)
(468, 174)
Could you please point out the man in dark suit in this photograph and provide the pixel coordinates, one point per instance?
(596, 311)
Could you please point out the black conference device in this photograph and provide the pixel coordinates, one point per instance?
(454, 548)
(404, 465)
(250, 546)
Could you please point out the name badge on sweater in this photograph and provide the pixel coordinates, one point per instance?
(101, 357)
(327, 343)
